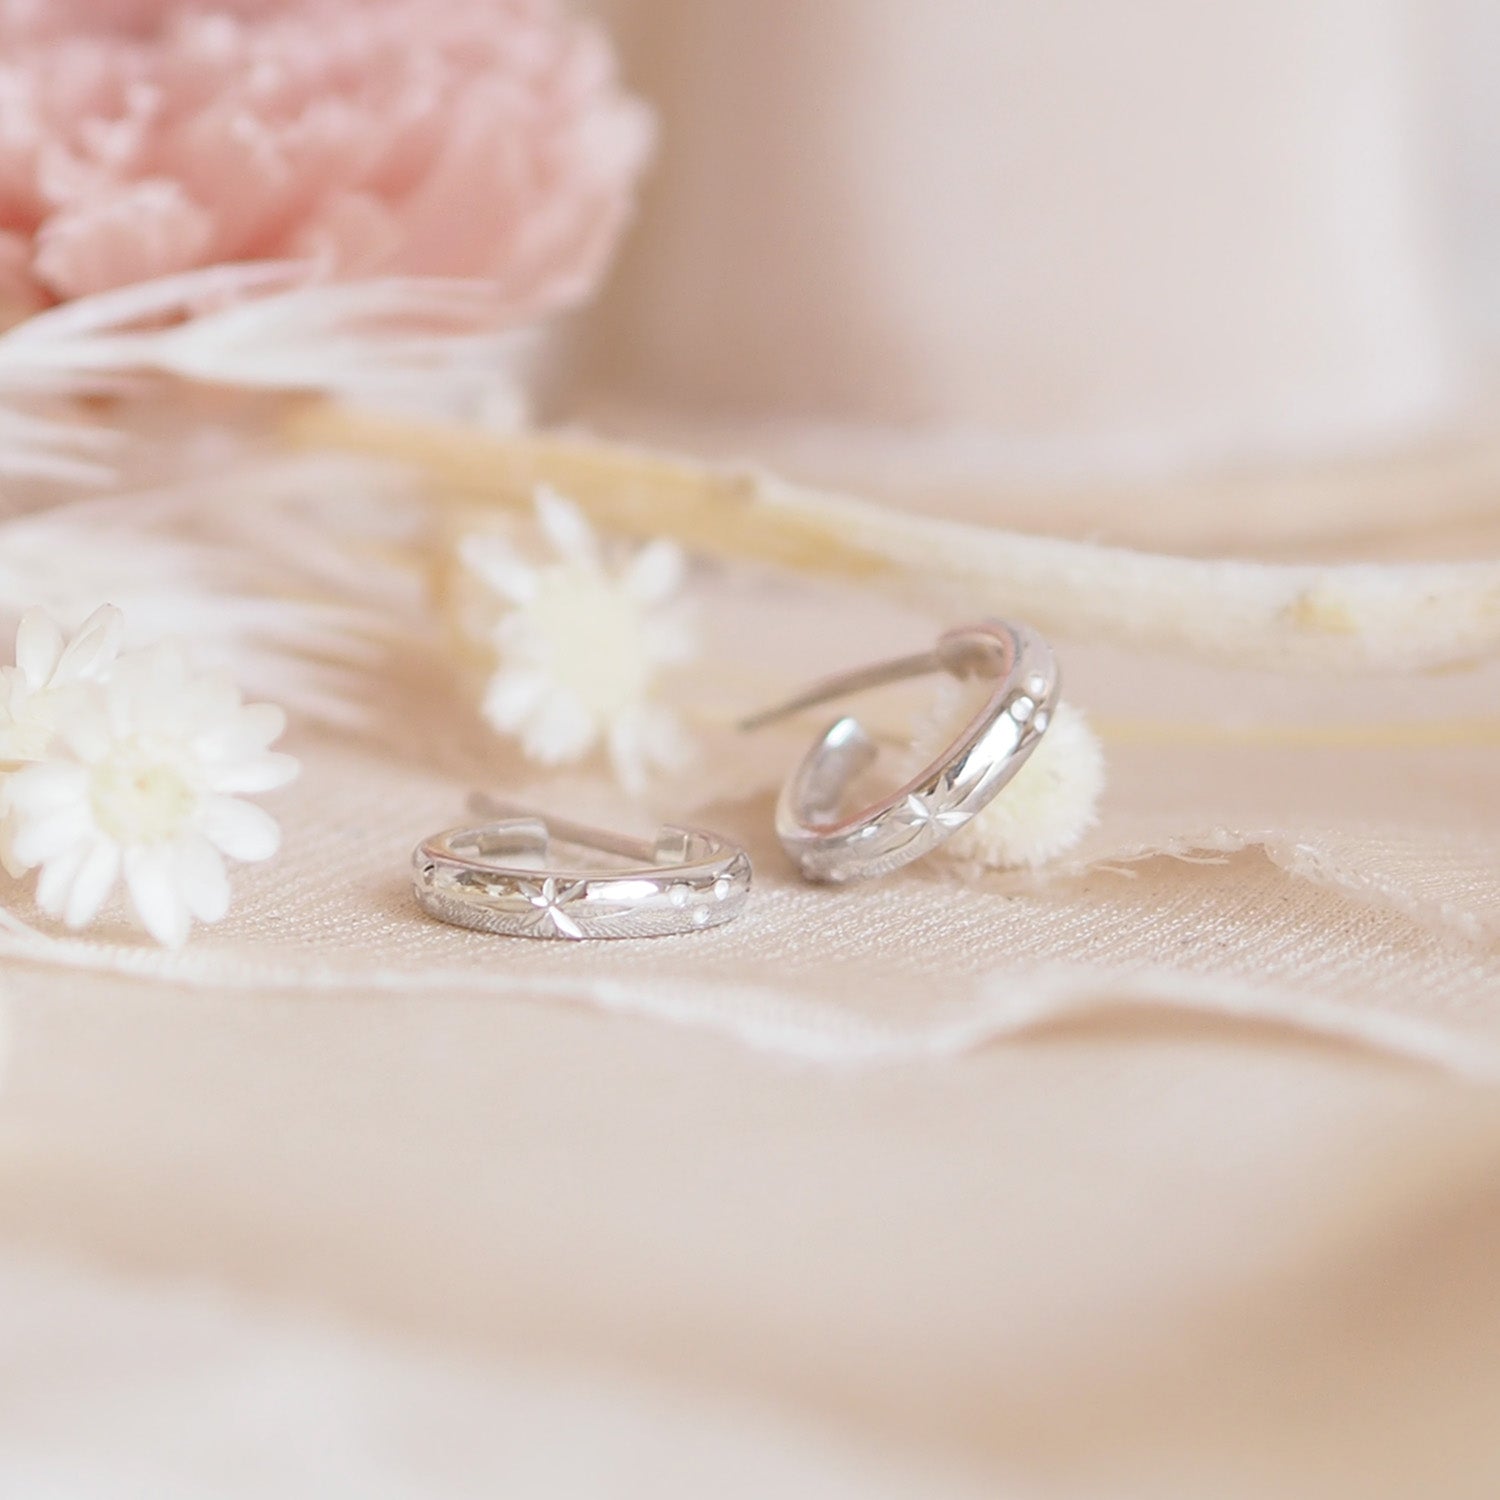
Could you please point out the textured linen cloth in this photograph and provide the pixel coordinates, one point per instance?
(1221, 1222)
(1124, 1260)
(115, 1386)
(1322, 855)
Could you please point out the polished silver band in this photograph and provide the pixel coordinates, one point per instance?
(829, 843)
(501, 877)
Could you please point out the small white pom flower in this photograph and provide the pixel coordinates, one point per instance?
(141, 781)
(1046, 809)
(580, 645)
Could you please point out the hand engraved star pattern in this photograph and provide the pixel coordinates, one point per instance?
(550, 898)
(927, 812)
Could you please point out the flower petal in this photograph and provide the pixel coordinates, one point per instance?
(255, 773)
(511, 697)
(201, 878)
(13, 693)
(239, 829)
(664, 741)
(8, 861)
(241, 733)
(45, 786)
(150, 876)
(671, 635)
(95, 647)
(152, 690)
(496, 563)
(92, 884)
(210, 705)
(119, 235)
(655, 573)
(49, 834)
(56, 880)
(560, 730)
(87, 725)
(39, 645)
(627, 755)
(642, 737)
(566, 527)
(517, 638)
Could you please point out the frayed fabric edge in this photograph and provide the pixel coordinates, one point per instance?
(1009, 1004)
(1298, 857)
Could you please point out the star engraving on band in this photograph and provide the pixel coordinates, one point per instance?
(550, 898)
(920, 813)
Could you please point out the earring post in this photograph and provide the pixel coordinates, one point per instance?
(845, 685)
(482, 805)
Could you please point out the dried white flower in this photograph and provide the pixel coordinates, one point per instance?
(262, 562)
(580, 645)
(414, 342)
(140, 778)
(47, 668)
(1045, 810)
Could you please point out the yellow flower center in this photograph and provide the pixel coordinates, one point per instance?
(595, 634)
(139, 799)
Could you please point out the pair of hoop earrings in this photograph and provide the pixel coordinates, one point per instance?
(501, 876)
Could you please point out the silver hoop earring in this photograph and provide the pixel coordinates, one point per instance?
(830, 843)
(502, 877)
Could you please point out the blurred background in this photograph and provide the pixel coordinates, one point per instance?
(1025, 249)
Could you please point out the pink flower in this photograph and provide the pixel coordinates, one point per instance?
(472, 138)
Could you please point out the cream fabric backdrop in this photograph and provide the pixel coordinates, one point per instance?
(1098, 237)
(775, 1174)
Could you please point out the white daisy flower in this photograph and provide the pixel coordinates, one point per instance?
(580, 645)
(48, 669)
(141, 781)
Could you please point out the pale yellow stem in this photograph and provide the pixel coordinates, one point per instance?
(1320, 618)
(1454, 734)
